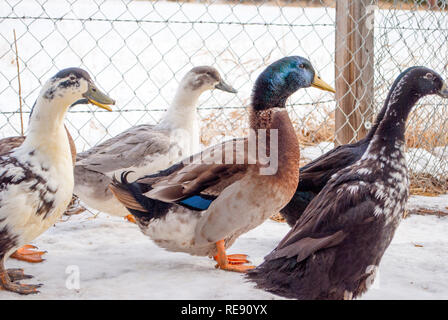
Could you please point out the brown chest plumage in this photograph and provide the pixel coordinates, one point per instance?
(286, 176)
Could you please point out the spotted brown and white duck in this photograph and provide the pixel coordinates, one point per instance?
(28, 252)
(146, 148)
(36, 178)
(334, 249)
(202, 207)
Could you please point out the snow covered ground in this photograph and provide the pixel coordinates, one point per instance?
(115, 261)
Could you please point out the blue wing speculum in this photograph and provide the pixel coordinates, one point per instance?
(197, 202)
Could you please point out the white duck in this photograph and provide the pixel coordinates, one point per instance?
(29, 253)
(36, 178)
(146, 148)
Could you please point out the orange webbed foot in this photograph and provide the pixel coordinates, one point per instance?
(29, 254)
(130, 218)
(232, 262)
(17, 274)
(21, 288)
(235, 267)
(235, 258)
(9, 278)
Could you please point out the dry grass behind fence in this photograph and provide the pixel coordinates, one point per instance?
(311, 132)
(384, 4)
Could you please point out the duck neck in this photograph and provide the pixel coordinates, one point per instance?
(46, 132)
(385, 107)
(263, 119)
(378, 120)
(267, 94)
(268, 108)
(182, 112)
(391, 129)
(273, 129)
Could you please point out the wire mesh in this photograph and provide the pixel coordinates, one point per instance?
(137, 51)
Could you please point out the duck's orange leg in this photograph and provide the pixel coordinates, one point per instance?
(232, 262)
(130, 218)
(29, 254)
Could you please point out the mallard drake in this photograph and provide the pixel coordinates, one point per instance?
(146, 148)
(315, 175)
(36, 178)
(202, 204)
(28, 253)
(334, 249)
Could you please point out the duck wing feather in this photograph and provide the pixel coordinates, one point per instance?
(328, 218)
(10, 143)
(126, 150)
(209, 176)
(316, 174)
(205, 174)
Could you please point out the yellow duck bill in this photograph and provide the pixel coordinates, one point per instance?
(97, 98)
(321, 84)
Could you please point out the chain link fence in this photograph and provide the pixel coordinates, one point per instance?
(415, 33)
(137, 51)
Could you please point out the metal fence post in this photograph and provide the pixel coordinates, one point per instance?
(354, 72)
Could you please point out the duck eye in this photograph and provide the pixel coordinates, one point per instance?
(429, 76)
(302, 66)
(72, 78)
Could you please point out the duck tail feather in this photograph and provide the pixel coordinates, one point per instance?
(304, 279)
(126, 192)
(274, 276)
(132, 196)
